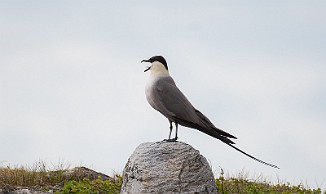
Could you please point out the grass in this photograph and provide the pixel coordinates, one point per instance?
(36, 175)
(39, 177)
(242, 184)
(91, 186)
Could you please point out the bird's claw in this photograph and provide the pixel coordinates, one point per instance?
(171, 140)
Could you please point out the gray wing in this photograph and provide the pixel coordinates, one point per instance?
(181, 110)
(173, 100)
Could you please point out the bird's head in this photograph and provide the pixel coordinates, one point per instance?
(158, 65)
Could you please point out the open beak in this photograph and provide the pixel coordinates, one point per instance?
(148, 67)
(145, 60)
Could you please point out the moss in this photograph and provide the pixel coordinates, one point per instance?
(92, 186)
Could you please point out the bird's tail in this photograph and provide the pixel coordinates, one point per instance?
(230, 143)
(234, 147)
(208, 124)
(215, 132)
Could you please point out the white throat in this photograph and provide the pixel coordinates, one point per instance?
(158, 70)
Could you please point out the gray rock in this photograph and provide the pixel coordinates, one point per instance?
(78, 173)
(24, 191)
(167, 167)
(27, 191)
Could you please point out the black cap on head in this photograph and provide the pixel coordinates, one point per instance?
(159, 59)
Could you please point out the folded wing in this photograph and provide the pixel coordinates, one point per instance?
(181, 110)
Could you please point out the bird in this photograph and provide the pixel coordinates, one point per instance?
(164, 96)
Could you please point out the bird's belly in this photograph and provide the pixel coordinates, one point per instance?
(152, 97)
(149, 95)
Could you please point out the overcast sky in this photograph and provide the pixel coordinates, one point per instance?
(72, 85)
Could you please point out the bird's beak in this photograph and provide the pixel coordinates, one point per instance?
(149, 67)
(145, 60)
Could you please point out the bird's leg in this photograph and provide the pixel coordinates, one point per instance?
(176, 132)
(171, 127)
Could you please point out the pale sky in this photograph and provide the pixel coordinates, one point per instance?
(72, 85)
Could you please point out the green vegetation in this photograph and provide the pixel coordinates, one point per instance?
(89, 187)
(22, 177)
(240, 185)
(38, 177)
